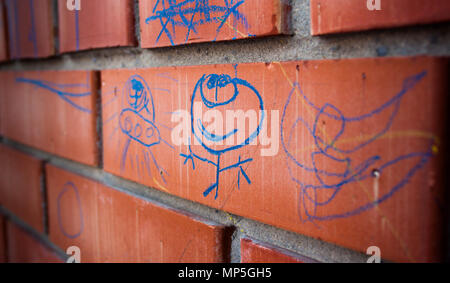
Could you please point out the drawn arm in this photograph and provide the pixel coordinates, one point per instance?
(191, 157)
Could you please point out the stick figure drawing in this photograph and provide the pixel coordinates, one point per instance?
(220, 93)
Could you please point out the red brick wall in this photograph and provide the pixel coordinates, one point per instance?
(21, 186)
(24, 248)
(30, 28)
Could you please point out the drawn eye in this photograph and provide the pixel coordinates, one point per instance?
(138, 128)
(149, 132)
(219, 81)
(127, 125)
(223, 81)
(212, 81)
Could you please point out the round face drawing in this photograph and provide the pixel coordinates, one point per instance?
(226, 113)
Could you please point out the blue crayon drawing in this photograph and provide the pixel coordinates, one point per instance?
(13, 28)
(77, 30)
(137, 121)
(190, 14)
(328, 183)
(12, 9)
(61, 90)
(32, 36)
(70, 186)
(215, 83)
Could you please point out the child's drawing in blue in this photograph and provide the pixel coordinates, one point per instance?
(314, 196)
(215, 83)
(14, 27)
(61, 90)
(191, 14)
(70, 188)
(137, 121)
(77, 30)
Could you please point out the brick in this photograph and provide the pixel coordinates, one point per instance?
(96, 25)
(337, 16)
(392, 109)
(30, 28)
(111, 226)
(166, 24)
(253, 251)
(3, 35)
(20, 186)
(54, 111)
(24, 248)
(3, 256)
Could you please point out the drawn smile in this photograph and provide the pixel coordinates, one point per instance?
(213, 137)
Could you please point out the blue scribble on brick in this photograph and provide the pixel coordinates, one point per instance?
(137, 120)
(191, 14)
(59, 89)
(70, 186)
(328, 183)
(14, 27)
(216, 82)
(77, 30)
(32, 36)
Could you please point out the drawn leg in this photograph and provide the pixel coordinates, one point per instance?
(216, 184)
(242, 171)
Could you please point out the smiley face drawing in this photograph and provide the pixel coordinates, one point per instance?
(220, 93)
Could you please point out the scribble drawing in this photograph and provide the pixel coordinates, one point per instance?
(70, 186)
(32, 36)
(190, 14)
(61, 90)
(13, 27)
(214, 83)
(329, 183)
(12, 8)
(77, 30)
(137, 121)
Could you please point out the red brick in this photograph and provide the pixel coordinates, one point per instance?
(256, 252)
(252, 18)
(3, 29)
(98, 24)
(111, 226)
(30, 28)
(20, 186)
(24, 248)
(335, 16)
(399, 211)
(3, 257)
(54, 111)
